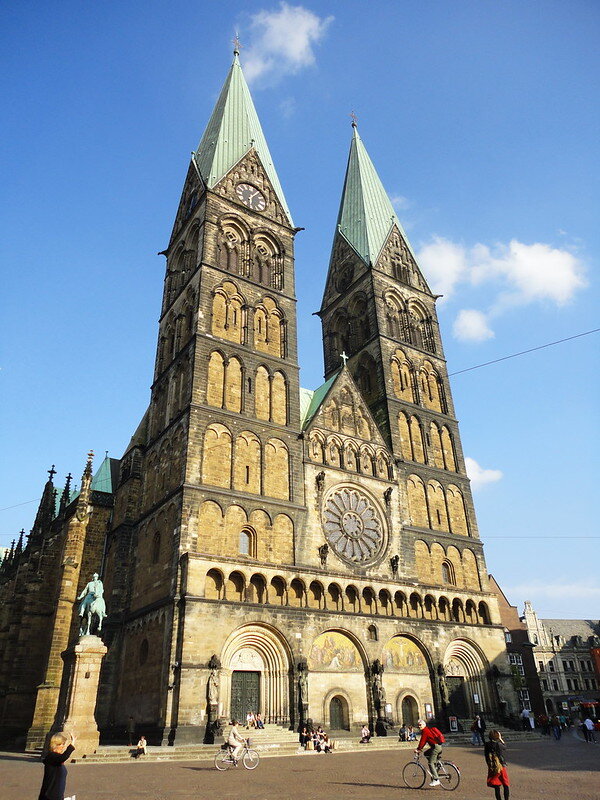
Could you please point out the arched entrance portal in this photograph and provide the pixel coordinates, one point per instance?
(255, 674)
(466, 686)
(339, 718)
(409, 711)
(549, 706)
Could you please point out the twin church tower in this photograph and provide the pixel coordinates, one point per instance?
(303, 554)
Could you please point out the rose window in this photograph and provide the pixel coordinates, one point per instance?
(352, 526)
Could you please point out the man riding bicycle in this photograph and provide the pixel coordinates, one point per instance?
(235, 741)
(433, 737)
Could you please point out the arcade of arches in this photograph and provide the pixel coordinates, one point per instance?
(259, 672)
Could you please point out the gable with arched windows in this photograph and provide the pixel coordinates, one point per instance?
(269, 328)
(402, 377)
(228, 313)
(268, 260)
(233, 245)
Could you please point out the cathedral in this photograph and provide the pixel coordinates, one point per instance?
(309, 555)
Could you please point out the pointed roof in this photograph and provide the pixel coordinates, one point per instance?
(366, 214)
(310, 402)
(232, 130)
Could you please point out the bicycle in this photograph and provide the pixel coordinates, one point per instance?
(415, 774)
(224, 758)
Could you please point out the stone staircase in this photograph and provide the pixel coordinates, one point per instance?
(277, 741)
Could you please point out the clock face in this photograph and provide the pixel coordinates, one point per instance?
(250, 196)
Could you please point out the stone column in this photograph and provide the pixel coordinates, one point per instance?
(82, 674)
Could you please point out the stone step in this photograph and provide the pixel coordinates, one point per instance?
(344, 743)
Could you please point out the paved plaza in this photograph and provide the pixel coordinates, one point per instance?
(542, 769)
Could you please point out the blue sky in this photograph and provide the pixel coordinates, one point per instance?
(482, 120)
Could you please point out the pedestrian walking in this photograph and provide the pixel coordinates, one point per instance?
(478, 730)
(54, 781)
(497, 776)
(588, 730)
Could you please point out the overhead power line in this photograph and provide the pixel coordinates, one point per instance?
(523, 352)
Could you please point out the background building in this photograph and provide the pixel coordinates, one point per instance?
(565, 655)
(520, 654)
(305, 554)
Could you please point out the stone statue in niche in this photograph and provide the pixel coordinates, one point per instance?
(212, 688)
(379, 698)
(394, 561)
(442, 684)
(323, 553)
(303, 690)
(320, 481)
(387, 495)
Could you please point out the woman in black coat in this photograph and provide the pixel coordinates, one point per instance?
(496, 763)
(55, 772)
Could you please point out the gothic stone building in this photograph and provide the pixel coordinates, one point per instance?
(315, 554)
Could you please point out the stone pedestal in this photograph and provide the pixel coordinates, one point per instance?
(80, 688)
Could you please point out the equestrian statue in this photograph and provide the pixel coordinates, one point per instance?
(92, 598)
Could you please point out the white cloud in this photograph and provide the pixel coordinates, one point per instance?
(480, 476)
(528, 272)
(518, 274)
(444, 263)
(471, 326)
(400, 202)
(282, 41)
(288, 107)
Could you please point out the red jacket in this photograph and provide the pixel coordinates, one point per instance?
(430, 736)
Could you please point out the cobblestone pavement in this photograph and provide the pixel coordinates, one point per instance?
(565, 770)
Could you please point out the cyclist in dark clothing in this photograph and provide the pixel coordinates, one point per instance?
(55, 772)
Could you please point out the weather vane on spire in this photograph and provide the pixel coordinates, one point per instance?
(354, 119)
(236, 44)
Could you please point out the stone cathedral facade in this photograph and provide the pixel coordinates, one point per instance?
(305, 554)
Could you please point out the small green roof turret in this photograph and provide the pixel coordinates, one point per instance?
(366, 214)
(233, 129)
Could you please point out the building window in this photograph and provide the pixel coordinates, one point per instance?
(156, 548)
(569, 685)
(372, 633)
(551, 666)
(524, 698)
(545, 685)
(541, 666)
(575, 684)
(507, 637)
(247, 544)
(447, 572)
(516, 661)
(143, 654)
(555, 685)
(565, 666)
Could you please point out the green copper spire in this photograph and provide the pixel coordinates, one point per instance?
(366, 214)
(232, 130)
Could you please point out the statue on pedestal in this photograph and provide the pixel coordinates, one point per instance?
(303, 690)
(92, 598)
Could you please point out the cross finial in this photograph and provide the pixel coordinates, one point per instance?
(236, 44)
(344, 358)
(354, 119)
(51, 472)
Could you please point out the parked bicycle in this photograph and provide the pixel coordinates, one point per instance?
(224, 758)
(415, 774)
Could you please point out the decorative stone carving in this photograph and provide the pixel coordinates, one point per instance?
(394, 561)
(320, 481)
(212, 689)
(353, 526)
(323, 553)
